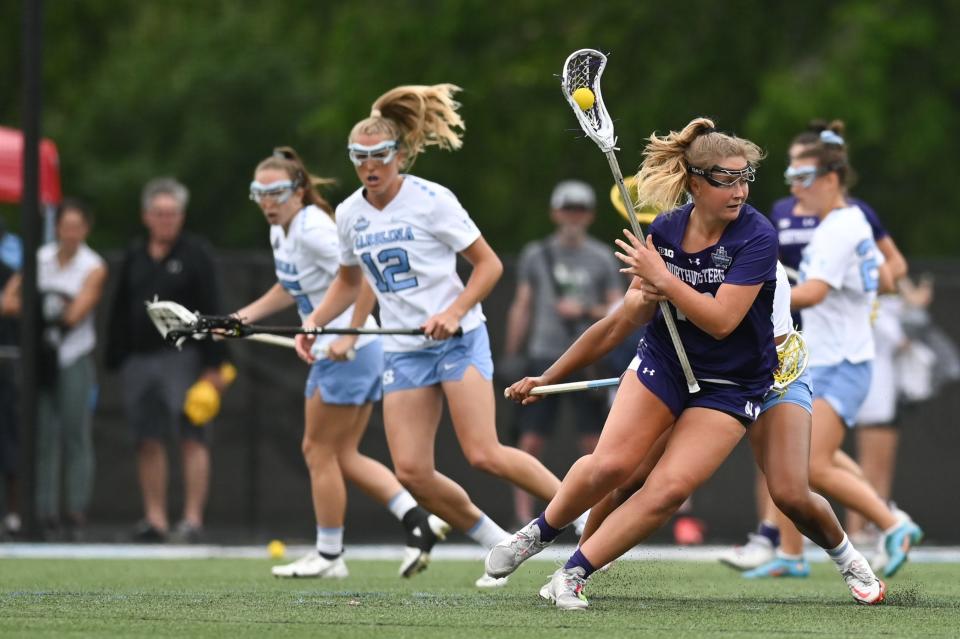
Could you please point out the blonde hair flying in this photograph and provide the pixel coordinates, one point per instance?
(417, 116)
(663, 179)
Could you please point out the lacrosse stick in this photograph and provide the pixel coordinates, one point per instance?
(792, 359)
(176, 323)
(582, 70)
(570, 387)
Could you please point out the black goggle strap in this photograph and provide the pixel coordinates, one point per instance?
(747, 174)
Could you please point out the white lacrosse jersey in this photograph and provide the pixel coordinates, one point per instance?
(843, 254)
(305, 260)
(408, 253)
(782, 320)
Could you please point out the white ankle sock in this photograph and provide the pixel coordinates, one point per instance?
(844, 553)
(487, 533)
(401, 503)
(330, 541)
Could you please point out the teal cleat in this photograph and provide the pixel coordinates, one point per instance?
(897, 546)
(780, 567)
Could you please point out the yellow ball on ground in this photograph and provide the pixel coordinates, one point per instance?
(276, 549)
(584, 98)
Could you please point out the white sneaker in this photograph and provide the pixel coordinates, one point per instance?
(313, 565)
(507, 556)
(863, 584)
(565, 589)
(420, 541)
(486, 581)
(757, 551)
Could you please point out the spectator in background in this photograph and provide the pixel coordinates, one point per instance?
(70, 278)
(10, 258)
(565, 282)
(157, 380)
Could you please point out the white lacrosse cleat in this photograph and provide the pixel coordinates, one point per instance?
(757, 551)
(313, 565)
(864, 585)
(565, 589)
(421, 539)
(507, 556)
(488, 582)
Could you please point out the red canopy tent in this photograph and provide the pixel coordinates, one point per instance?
(11, 169)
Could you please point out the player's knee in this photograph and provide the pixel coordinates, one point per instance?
(315, 452)
(608, 471)
(484, 459)
(415, 478)
(792, 501)
(669, 495)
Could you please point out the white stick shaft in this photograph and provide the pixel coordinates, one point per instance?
(692, 384)
(276, 340)
(569, 387)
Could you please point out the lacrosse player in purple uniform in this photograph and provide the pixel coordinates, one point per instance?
(403, 234)
(780, 439)
(714, 260)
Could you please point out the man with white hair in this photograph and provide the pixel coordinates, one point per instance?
(160, 383)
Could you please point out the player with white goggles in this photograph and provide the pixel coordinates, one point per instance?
(280, 192)
(382, 152)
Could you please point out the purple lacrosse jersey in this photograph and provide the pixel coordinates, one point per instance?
(795, 231)
(745, 255)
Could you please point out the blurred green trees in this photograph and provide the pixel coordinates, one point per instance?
(204, 90)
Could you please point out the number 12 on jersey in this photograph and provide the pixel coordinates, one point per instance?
(389, 268)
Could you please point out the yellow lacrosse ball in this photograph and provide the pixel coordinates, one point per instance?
(584, 98)
(276, 549)
(202, 403)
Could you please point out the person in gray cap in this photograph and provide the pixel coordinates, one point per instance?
(565, 282)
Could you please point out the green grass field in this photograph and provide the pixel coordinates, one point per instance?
(238, 598)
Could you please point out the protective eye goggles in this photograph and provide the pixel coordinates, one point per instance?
(725, 178)
(382, 153)
(280, 192)
(805, 175)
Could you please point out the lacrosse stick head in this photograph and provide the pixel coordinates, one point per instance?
(173, 321)
(583, 69)
(792, 357)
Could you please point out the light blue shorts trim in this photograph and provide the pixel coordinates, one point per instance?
(800, 392)
(844, 386)
(446, 361)
(354, 382)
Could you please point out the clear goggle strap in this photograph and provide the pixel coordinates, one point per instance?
(583, 69)
(792, 358)
(279, 191)
(384, 152)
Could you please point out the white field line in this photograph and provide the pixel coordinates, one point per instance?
(931, 554)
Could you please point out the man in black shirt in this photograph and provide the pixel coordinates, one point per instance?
(174, 265)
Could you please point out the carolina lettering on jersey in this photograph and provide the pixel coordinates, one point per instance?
(399, 234)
